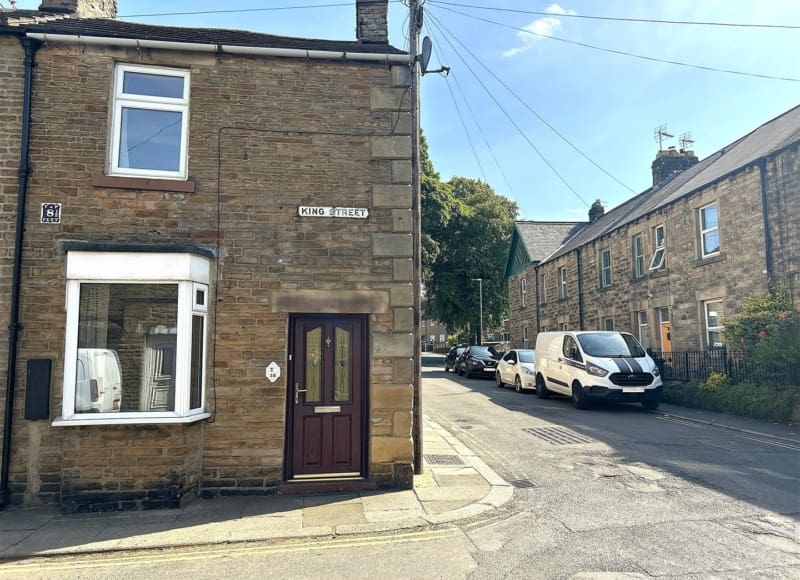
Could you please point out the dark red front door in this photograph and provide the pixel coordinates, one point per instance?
(327, 396)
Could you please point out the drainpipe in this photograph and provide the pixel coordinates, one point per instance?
(580, 288)
(762, 169)
(538, 302)
(30, 47)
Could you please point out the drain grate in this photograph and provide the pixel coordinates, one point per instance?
(444, 459)
(558, 435)
(523, 483)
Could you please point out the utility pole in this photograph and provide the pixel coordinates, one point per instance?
(480, 298)
(414, 26)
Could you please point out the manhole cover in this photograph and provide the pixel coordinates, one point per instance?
(523, 483)
(444, 459)
(558, 435)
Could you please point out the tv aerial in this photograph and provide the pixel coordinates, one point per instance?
(661, 135)
(425, 57)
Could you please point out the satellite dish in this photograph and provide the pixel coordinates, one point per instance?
(425, 55)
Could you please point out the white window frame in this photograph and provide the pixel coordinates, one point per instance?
(607, 323)
(523, 288)
(125, 100)
(525, 337)
(544, 288)
(562, 278)
(605, 268)
(659, 248)
(719, 328)
(637, 250)
(705, 231)
(642, 328)
(189, 272)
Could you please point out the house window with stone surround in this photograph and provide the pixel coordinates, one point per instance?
(523, 288)
(709, 230)
(605, 268)
(637, 253)
(136, 338)
(660, 248)
(562, 283)
(712, 311)
(150, 122)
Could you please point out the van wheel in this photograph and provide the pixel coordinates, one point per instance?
(541, 389)
(498, 380)
(579, 400)
(518, 385)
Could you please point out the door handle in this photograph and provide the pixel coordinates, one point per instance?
(297, 391)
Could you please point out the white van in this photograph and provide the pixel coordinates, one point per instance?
(590, 364)
(98, 381)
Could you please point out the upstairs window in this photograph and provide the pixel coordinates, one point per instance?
(150, 123)
(605, 268)
(659, 251)
(524, 290)
(544, 288)
(562, 283)
(637, 252)
(709, 230)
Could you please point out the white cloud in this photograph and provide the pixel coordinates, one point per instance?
(545, 26)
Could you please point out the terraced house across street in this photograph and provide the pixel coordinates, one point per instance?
(670, 264)
(177, 324)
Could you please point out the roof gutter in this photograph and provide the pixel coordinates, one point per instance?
(220, 48)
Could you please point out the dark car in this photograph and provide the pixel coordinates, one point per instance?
(452, 356)
(478, 361)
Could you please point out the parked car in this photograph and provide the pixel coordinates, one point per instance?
(452, 356)
(517, 367)
(478, 361)
(98, 381)
(590, 365)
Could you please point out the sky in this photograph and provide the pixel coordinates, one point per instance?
(540, 101)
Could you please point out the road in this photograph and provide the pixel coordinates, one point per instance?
(612, 492)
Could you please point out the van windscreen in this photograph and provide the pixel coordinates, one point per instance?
(610, 345)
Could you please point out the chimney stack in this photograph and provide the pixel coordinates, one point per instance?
(81, 8)
(596, 211)
(371, 23)
(668, 163)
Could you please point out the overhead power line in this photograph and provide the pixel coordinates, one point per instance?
(542, 119)
(446, 34)
(620, 18)
(619, 52)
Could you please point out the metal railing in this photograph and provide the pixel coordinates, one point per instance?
(698, 365)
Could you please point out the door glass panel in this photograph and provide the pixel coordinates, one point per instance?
(344, 355)
(314, 365)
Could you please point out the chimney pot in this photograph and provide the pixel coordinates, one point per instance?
(596, 211)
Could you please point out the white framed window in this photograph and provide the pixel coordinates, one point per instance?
(562, 326)
(136, 338)
(544, 289)
(641, 325)
(525, 342)
(605, 268)
(562, 283)
(712, 311)
(150, 124)
(607, 323)
(659, 248)
(709, 230)
(637, 256)
(523, 288)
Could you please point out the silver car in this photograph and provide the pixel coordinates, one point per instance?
(518, 368)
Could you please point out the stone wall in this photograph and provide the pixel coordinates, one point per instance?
(687, 281)
(266, 136)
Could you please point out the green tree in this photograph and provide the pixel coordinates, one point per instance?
(767, 329)
(471, 241)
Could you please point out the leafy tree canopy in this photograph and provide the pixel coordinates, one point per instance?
(466, 231)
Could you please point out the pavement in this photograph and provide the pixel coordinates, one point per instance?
(455, 484)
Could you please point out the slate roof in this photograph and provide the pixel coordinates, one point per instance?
(770, 137)
(543, 238)
(110, 28)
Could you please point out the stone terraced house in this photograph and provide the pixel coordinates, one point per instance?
(208, 260)
(671, 263)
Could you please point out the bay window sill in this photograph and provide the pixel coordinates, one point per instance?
(127, 419)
